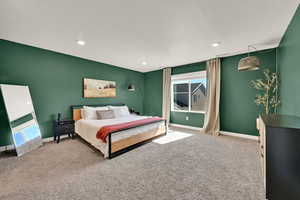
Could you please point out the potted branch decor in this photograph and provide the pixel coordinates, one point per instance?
(268, 86)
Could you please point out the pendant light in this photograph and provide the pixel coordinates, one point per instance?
(249, 63)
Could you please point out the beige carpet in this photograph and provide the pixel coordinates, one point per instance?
(199, 167)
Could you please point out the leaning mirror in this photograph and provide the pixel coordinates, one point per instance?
(25, 130)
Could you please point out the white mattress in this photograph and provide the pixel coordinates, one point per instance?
(88, 129)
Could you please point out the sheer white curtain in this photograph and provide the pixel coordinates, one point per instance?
(166, 104)
(212, 118)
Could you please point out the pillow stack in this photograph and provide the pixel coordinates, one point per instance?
(89, 113)
(104, 112)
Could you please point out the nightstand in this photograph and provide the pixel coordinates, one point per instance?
(133, 112)
(62, 127)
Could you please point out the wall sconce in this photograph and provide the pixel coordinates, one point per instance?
(131, 87)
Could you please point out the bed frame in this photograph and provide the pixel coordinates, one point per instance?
(121, 146)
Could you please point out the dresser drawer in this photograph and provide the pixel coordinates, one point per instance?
(64, 128)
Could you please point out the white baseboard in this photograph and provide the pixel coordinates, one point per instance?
(240, 135)
(7, 148)
(45, 140)
(184, 126)
(245, 136)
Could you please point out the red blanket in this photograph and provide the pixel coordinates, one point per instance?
(106, 130)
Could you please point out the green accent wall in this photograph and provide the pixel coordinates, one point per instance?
(194, 119)
(238, 112)
(194, 67)
(153, 93)
(153, 96)
(289, 68)
(56, 82)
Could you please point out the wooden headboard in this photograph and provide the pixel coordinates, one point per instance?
(76, 114)
(76, 109)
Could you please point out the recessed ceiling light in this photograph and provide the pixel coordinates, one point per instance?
(144, 63)
(216, 44)
(81, 42)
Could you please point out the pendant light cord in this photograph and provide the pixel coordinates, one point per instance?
(249, 49)
(276, 70)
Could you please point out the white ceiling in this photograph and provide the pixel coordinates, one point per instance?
(162, 33)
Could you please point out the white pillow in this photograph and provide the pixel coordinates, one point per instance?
(89, 113)
(119, 111)
(96, 108)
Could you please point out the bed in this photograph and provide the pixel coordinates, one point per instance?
(118, 141)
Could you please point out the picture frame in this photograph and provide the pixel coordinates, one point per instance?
(93, 88)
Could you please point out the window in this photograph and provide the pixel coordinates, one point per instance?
(189, 92)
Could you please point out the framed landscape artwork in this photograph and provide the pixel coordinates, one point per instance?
(93, 88)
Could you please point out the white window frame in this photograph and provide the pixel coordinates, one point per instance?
(186, 77)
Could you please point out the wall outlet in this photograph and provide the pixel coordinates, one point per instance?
(186, 117)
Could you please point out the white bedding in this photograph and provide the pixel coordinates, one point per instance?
(88, 129)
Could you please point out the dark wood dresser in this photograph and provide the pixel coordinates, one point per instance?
(280, 156)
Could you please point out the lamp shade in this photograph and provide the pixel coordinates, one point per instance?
(249, 63)
(131, 87)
